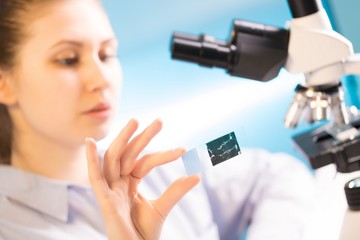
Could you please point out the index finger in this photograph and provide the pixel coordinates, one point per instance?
(113, 154)
(137, 145)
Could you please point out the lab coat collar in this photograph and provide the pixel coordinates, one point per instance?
(42, 194)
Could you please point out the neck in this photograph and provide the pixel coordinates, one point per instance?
(50, 159)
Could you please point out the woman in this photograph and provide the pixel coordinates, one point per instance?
(59, 83)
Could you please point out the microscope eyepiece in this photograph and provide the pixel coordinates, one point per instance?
(255, 51)
(203, 49)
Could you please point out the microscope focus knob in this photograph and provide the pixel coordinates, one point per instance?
(352, 192)
(350, 228)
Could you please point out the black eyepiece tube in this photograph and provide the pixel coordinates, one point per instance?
(203, 49)
(302, 8)
(255, 51)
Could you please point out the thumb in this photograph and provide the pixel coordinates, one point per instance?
(96, 177)
(174, 194)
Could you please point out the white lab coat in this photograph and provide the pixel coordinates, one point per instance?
(261, 195)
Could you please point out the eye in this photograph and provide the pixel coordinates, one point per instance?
(107, 54)
(68, 61)
(67, 58)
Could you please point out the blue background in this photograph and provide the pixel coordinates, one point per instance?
(199, 104)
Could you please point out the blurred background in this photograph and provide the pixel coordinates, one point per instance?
(199, 104)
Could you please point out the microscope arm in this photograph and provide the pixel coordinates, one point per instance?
(310, 40)
(334, 72)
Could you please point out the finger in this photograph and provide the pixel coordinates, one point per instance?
(137, 145)
(148, 162)
(96, 177)
(113, 155)
(174, 193)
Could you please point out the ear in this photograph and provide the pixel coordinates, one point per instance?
(7, 96)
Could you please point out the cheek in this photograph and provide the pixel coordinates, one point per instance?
(44, 99)
(46, 109)
(51, 87)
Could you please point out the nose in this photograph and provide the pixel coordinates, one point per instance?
(96, 77)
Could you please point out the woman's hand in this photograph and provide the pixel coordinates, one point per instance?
(127, 214)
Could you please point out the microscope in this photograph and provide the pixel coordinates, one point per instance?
(308, 46)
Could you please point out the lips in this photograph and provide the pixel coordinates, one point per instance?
(99, 107)
(99, 111)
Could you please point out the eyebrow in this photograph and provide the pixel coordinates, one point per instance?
(80, 43)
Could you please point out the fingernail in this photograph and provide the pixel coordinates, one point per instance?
(158, 121)
(198, 176)
(179, 150)
(88, 139)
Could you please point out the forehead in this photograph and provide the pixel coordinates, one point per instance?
(83, 20)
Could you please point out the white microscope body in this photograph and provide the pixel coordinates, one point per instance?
(324, 57)
(308, 46)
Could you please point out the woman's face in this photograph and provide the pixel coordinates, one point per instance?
(67, 75)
